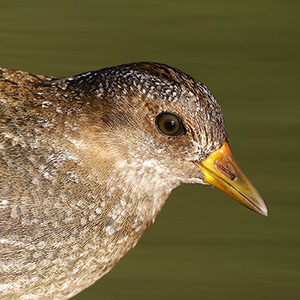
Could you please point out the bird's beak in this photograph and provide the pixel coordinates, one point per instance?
(221, 171)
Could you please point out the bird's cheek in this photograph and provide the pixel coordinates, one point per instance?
(190, 173)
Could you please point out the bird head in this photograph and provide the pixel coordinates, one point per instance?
(160, 127)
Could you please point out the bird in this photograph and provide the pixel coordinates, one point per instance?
(87, 162)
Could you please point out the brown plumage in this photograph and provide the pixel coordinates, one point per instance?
(85, 168)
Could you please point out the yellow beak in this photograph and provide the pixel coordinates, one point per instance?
(221, 171)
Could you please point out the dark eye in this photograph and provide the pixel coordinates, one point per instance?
(170, 124)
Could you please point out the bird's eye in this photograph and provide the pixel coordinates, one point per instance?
(170, 124)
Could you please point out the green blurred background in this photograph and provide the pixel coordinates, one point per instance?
(203, 244)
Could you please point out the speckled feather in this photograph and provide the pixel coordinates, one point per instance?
(84, 170)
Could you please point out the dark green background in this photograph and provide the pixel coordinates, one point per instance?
(203, 244)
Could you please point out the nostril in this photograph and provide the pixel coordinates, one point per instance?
(226, 169)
